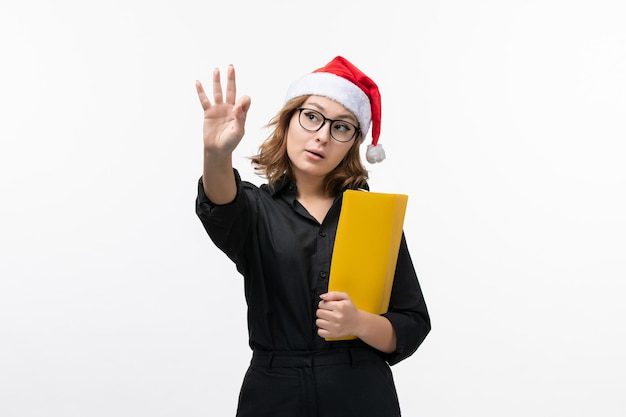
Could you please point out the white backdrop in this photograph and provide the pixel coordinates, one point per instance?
(503, 121)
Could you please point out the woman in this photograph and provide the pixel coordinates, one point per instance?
(280, 236)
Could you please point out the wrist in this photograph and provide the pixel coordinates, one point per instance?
(361, 326)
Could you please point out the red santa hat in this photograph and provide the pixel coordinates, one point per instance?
(341, 81)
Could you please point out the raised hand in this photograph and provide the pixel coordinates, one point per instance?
(224, 120)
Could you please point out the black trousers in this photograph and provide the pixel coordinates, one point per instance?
(329, 383)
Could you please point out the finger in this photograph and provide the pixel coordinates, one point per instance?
(217, 86)
(204, 100)
(323, 333)
(323, 314)
(323, 324)
(335, 296)
(231, 86)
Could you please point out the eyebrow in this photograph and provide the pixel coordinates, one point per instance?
(340, 116)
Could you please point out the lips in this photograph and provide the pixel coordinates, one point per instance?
(314, 152)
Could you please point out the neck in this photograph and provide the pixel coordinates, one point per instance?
(310, 187)
(306, 190)
(314, 199)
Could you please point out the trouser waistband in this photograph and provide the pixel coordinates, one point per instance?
(300, 359)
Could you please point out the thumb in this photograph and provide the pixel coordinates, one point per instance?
(240, 110)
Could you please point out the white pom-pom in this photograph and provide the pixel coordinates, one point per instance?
(375, 154)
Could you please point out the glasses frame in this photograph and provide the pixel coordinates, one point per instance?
(357, 130)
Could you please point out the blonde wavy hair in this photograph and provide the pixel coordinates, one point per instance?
(272, 162)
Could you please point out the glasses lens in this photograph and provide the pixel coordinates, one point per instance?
(342, 131)
(310, 119)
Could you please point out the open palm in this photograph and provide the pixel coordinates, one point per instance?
(224, 120)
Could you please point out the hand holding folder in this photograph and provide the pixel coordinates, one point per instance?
(366, 248)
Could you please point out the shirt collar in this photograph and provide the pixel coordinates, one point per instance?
(287, 187)
(283, 185)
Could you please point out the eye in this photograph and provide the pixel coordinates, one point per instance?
(343, 127)
(312, 116)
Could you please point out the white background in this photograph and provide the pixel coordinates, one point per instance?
(503, 121)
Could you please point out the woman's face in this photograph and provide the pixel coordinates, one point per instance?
(313, 154)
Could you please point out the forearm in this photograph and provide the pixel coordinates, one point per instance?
(377, 331)
(218, 179)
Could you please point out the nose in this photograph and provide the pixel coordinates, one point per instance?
(323, 134)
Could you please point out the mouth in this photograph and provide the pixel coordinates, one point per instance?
(315, 154)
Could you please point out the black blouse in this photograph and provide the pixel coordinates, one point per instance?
(284, 255)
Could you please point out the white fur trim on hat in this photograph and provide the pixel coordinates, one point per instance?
(335, 88)
(375, 153)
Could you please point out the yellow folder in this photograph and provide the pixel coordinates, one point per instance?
(366, 248)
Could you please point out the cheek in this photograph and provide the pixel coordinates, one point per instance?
(290, 142)
(344, 153)
(289, 149)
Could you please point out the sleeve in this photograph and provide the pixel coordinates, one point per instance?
(407, 311)
(226, 224)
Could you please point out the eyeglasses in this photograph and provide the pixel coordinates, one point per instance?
(340, 130)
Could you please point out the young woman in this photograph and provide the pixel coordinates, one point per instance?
(280, 236)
